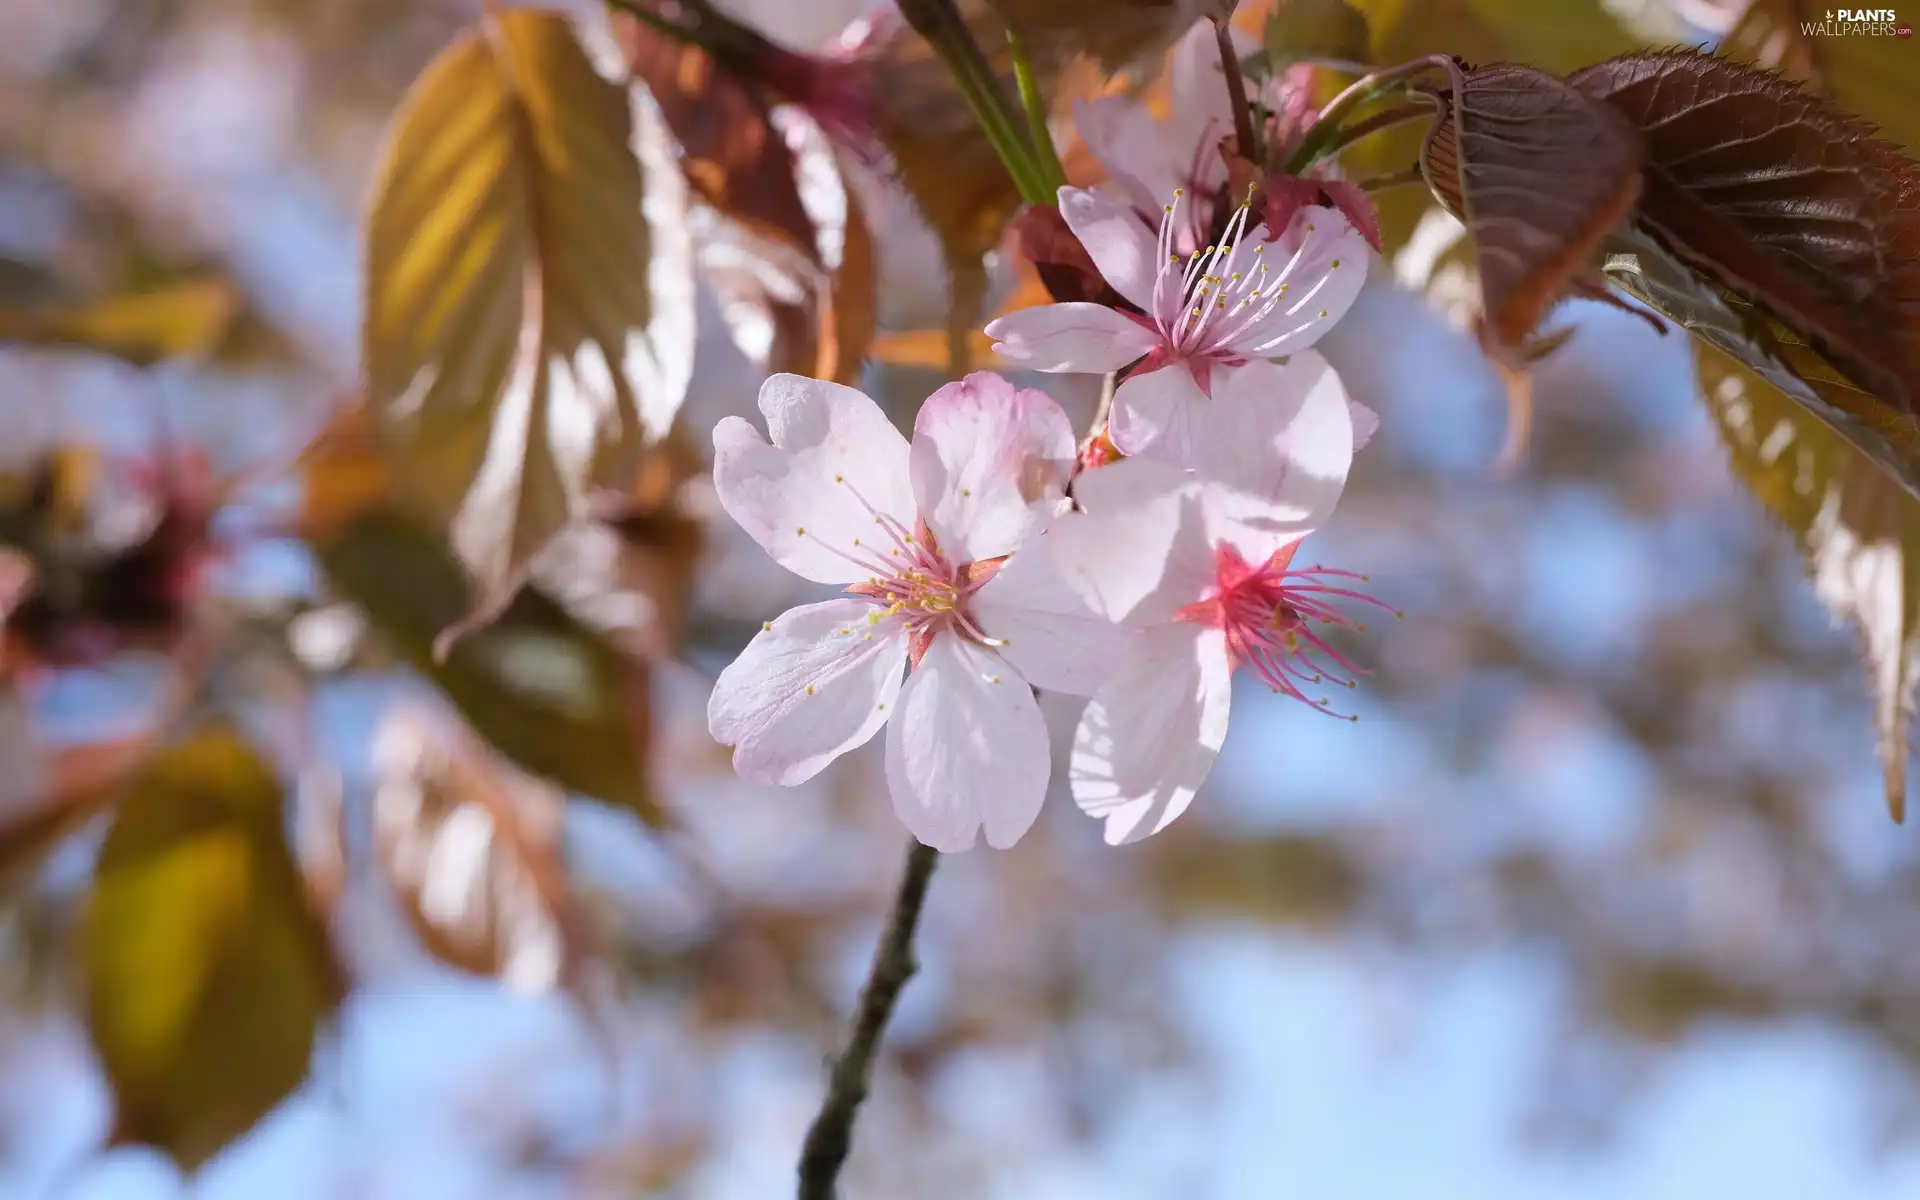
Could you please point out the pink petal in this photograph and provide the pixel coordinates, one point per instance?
(1117, 240)
(967, 747)
(1149, 737)
(1277, 441)
(1140, 551)
(1154, 411)
(1135, 149)
(1366, 423)
(1089, 338)
(801, 497)
(1318, 292)
(1200, 112)
(812, 686)
(1047, 630)
(989, 464)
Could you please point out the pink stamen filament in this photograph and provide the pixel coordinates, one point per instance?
(912, 578)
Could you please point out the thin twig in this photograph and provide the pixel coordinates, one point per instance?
(831, 1135)
(1236, 92)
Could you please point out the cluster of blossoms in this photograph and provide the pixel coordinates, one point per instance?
(963, 557)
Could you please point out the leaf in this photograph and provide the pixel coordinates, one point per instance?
(188, 317)
(1554, 37)
(472, 849)
(550, 694)
(207, 974)
(1306, 29)
(1859, 532)
(1790, 206)
(732, 154)
(512, 350)
(1539, 174)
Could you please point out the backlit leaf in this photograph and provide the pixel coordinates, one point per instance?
(188, 317)
(1872, 76)
(513, 354)
(734, 157)
(552, 695)
(208, 976)
(1859, 531)
(472, 849)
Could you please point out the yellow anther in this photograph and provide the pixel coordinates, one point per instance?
(873, 618)
(883, 708)
(1323, 312)
(1336, 262)
(766, 627)
(1309, 226)
(1179, 191)
(843, 478)
(809, 689)
(1167, 207)
(802, 531)
(1283, 289)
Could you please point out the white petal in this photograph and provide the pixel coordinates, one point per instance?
(1140, 552)
(1319, 292)
(1137, 151)
(1047, 629)
(1117, 240)
(808, 689)
(1153, 413)
(805, 497)
(968, 747)
(1149, 737)
(1278, 440)
(1089, 338)
(989, 464)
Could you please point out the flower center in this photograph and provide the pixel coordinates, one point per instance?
(911, 578)
(1210, 302)
(1268, 614)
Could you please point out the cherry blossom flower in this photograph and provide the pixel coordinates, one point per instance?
(919, 536)
(1204, 319)
(1208, 597)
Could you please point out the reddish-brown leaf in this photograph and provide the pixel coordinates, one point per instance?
(1788, 202)
(472, 850)
(1539, 173)
(733, 156)
(1062, 263)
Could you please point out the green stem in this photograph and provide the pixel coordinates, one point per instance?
(1047, 156)
(1326, 131)
(939, 22)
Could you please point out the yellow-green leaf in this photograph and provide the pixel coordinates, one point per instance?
(1859, 531)
(512, 353)
(208, 976)
(188, 317)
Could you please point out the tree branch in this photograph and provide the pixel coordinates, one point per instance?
(831, 1135)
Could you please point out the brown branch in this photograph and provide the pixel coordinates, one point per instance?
(1236, 92)
(831, 1135)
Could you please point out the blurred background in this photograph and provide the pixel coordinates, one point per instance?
(1597, 898)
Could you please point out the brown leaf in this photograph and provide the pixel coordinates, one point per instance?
(1539, 174)
(1859, 532)
(520, 349)
(1788, 203)
(732, 154)
(472, 850)
(208, 975)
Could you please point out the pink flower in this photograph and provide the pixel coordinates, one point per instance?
(919, 536)
(1148, 158)
(1204, 319)
(1207, 596)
